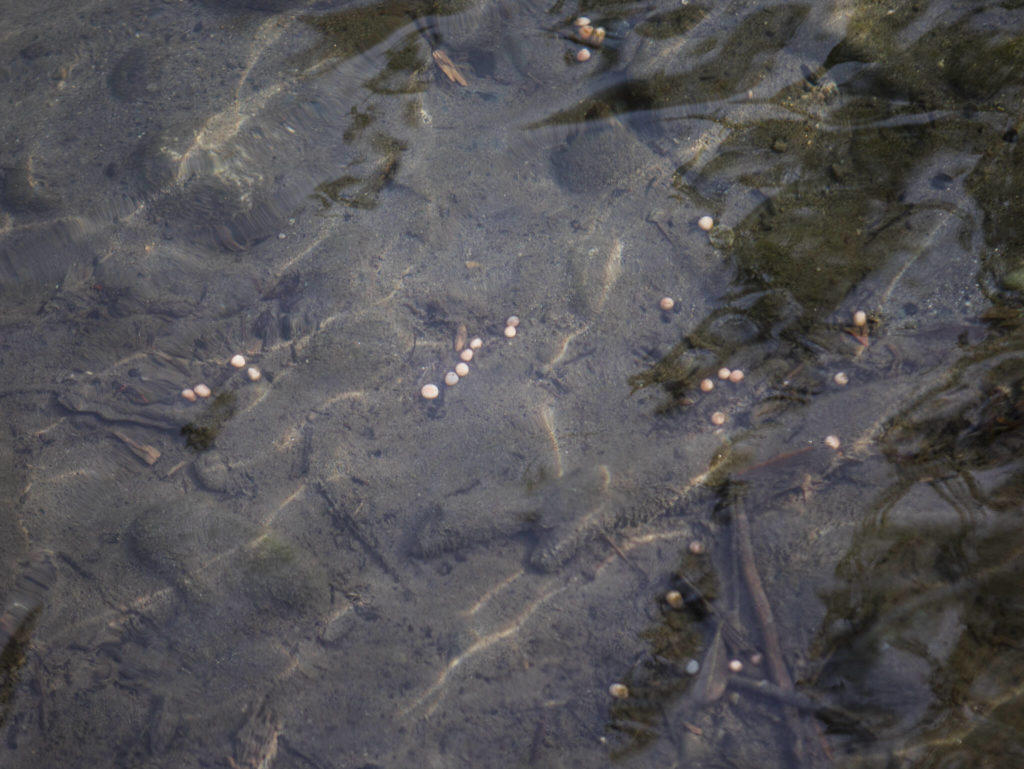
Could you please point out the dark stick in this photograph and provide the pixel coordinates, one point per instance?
(772, 648)
(773, 651)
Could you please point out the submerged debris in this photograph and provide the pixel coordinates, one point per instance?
(448, 67)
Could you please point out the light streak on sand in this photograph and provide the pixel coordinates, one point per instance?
(436, 689)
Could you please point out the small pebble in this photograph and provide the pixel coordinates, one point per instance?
(841, 378)
(735, 375)
(188, 394)
(202, 391)
(461, 369)
(476, 343)
(706, 223)
(581, 21)
(697, 547)
(674, 599)
(597, 37)
(451, 378)
(430, 391)
(618, 691)
(466, 355)
(510, 331)
(724, 373)
(832, 441)
(667, 303)
(707, 385)
(254, 374)
(513, 321)
(860, 318)
(585, 32)
(756, 658)
(735, 666)
(718, 418)
(692, 668)
(238, 361)
(582, 55)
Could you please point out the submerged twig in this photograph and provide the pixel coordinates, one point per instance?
(145, 452)
(347, 522)
(773, 649)
(745, 549)
(834, 716)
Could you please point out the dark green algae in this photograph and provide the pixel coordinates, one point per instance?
(201, 433)
(833, 213)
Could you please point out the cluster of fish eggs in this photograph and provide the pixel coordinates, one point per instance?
(202, 390)
(589, 35)
(465, 351)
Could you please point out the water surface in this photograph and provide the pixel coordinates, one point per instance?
(321, 568)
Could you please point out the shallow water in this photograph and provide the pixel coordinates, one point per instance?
(321, 568)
